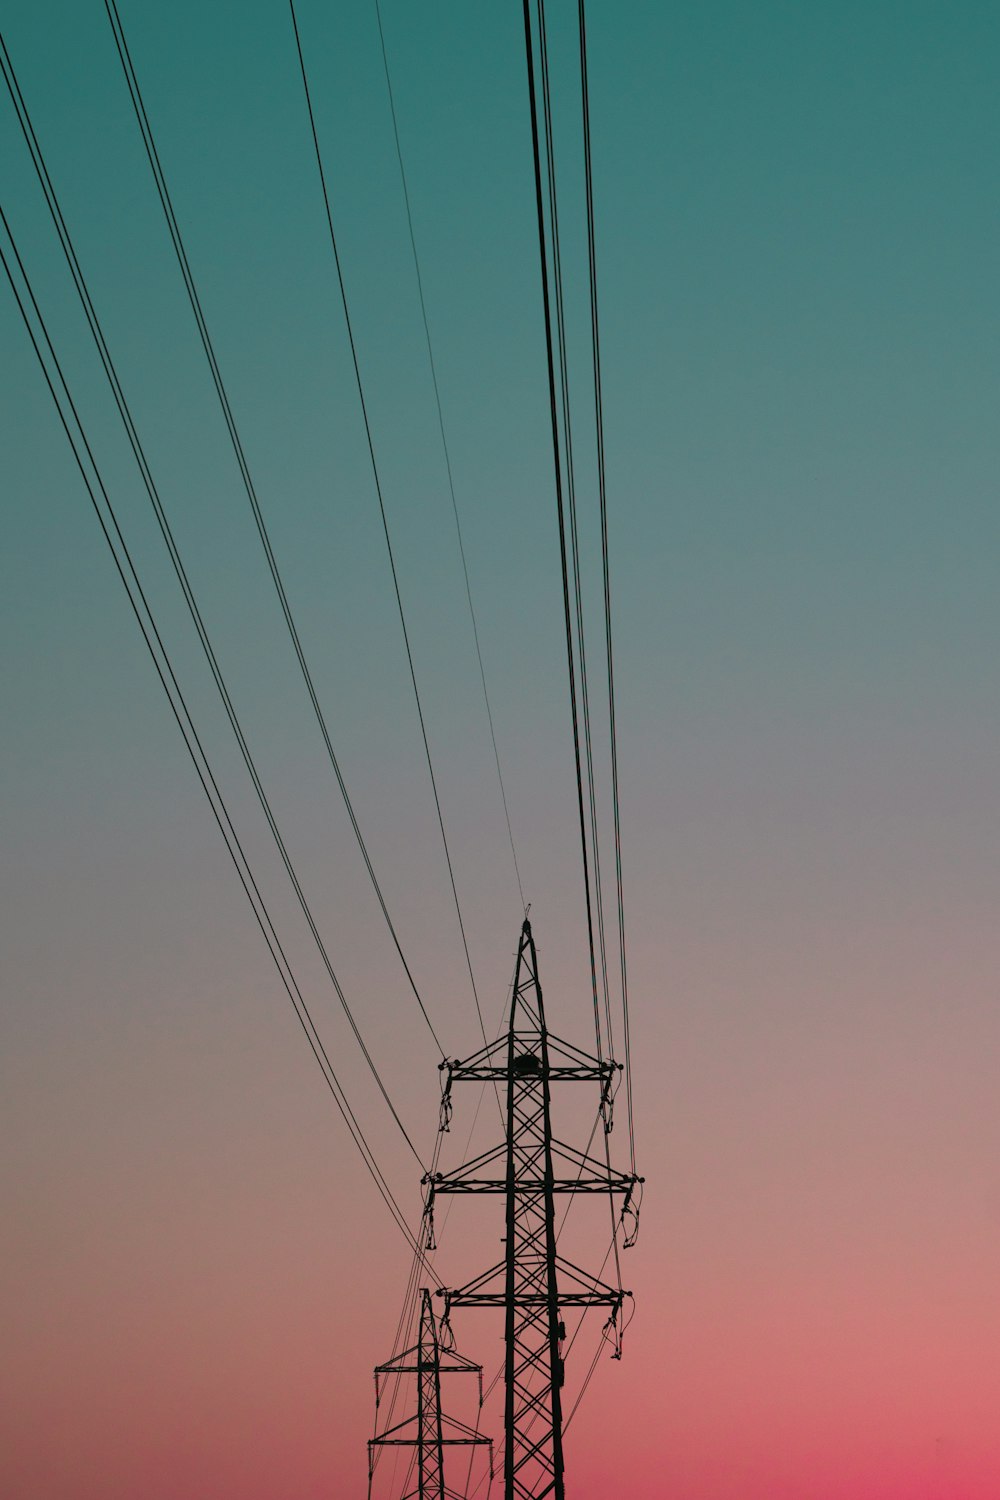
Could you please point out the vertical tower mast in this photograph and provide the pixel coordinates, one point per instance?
(534, 1283)
(429, 1432)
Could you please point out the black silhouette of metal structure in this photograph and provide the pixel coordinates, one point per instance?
(534, 1284)
(428, 1430)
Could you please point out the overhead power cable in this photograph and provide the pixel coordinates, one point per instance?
(599, 424)
(444, 442)
(124, 412)
(577, 581)
(560, 508)
(69, 420)
(382, 510)
(166, 203)
(569, 451)
(567, 433)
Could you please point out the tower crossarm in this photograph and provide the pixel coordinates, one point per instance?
(566, 1299)
(566, 1063)
(409, 1442)
(413, 1362)
(582, 1174)
(576, 1289)
(528, 1185)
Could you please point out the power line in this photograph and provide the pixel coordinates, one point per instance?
(557, 465)
(561, 341)
(93, 322)
(444, 440)
(571, 498)
(166, 202)
(577, 581)
(381, 503)
(147, 624)
(568, 449)
(599, 424)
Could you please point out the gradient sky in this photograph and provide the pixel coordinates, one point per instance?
(798, 236)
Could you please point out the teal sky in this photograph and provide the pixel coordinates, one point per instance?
(798, 234)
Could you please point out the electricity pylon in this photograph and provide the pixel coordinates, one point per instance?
(427, 1430)
(534, 1284)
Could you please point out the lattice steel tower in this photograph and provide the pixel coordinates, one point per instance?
(534, 1284)
(428, 1430)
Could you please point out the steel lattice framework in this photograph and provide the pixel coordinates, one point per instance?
(428, 1430)
(533, 1283)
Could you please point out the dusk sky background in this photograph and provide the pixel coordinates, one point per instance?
(798, 236)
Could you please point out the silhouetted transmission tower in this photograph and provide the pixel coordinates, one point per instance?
(427, 1431)
(534, 1284)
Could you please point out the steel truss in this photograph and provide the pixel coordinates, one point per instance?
(533, 1283)
(428, 1430)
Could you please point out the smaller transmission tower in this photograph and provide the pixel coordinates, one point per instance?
(428, 1431)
